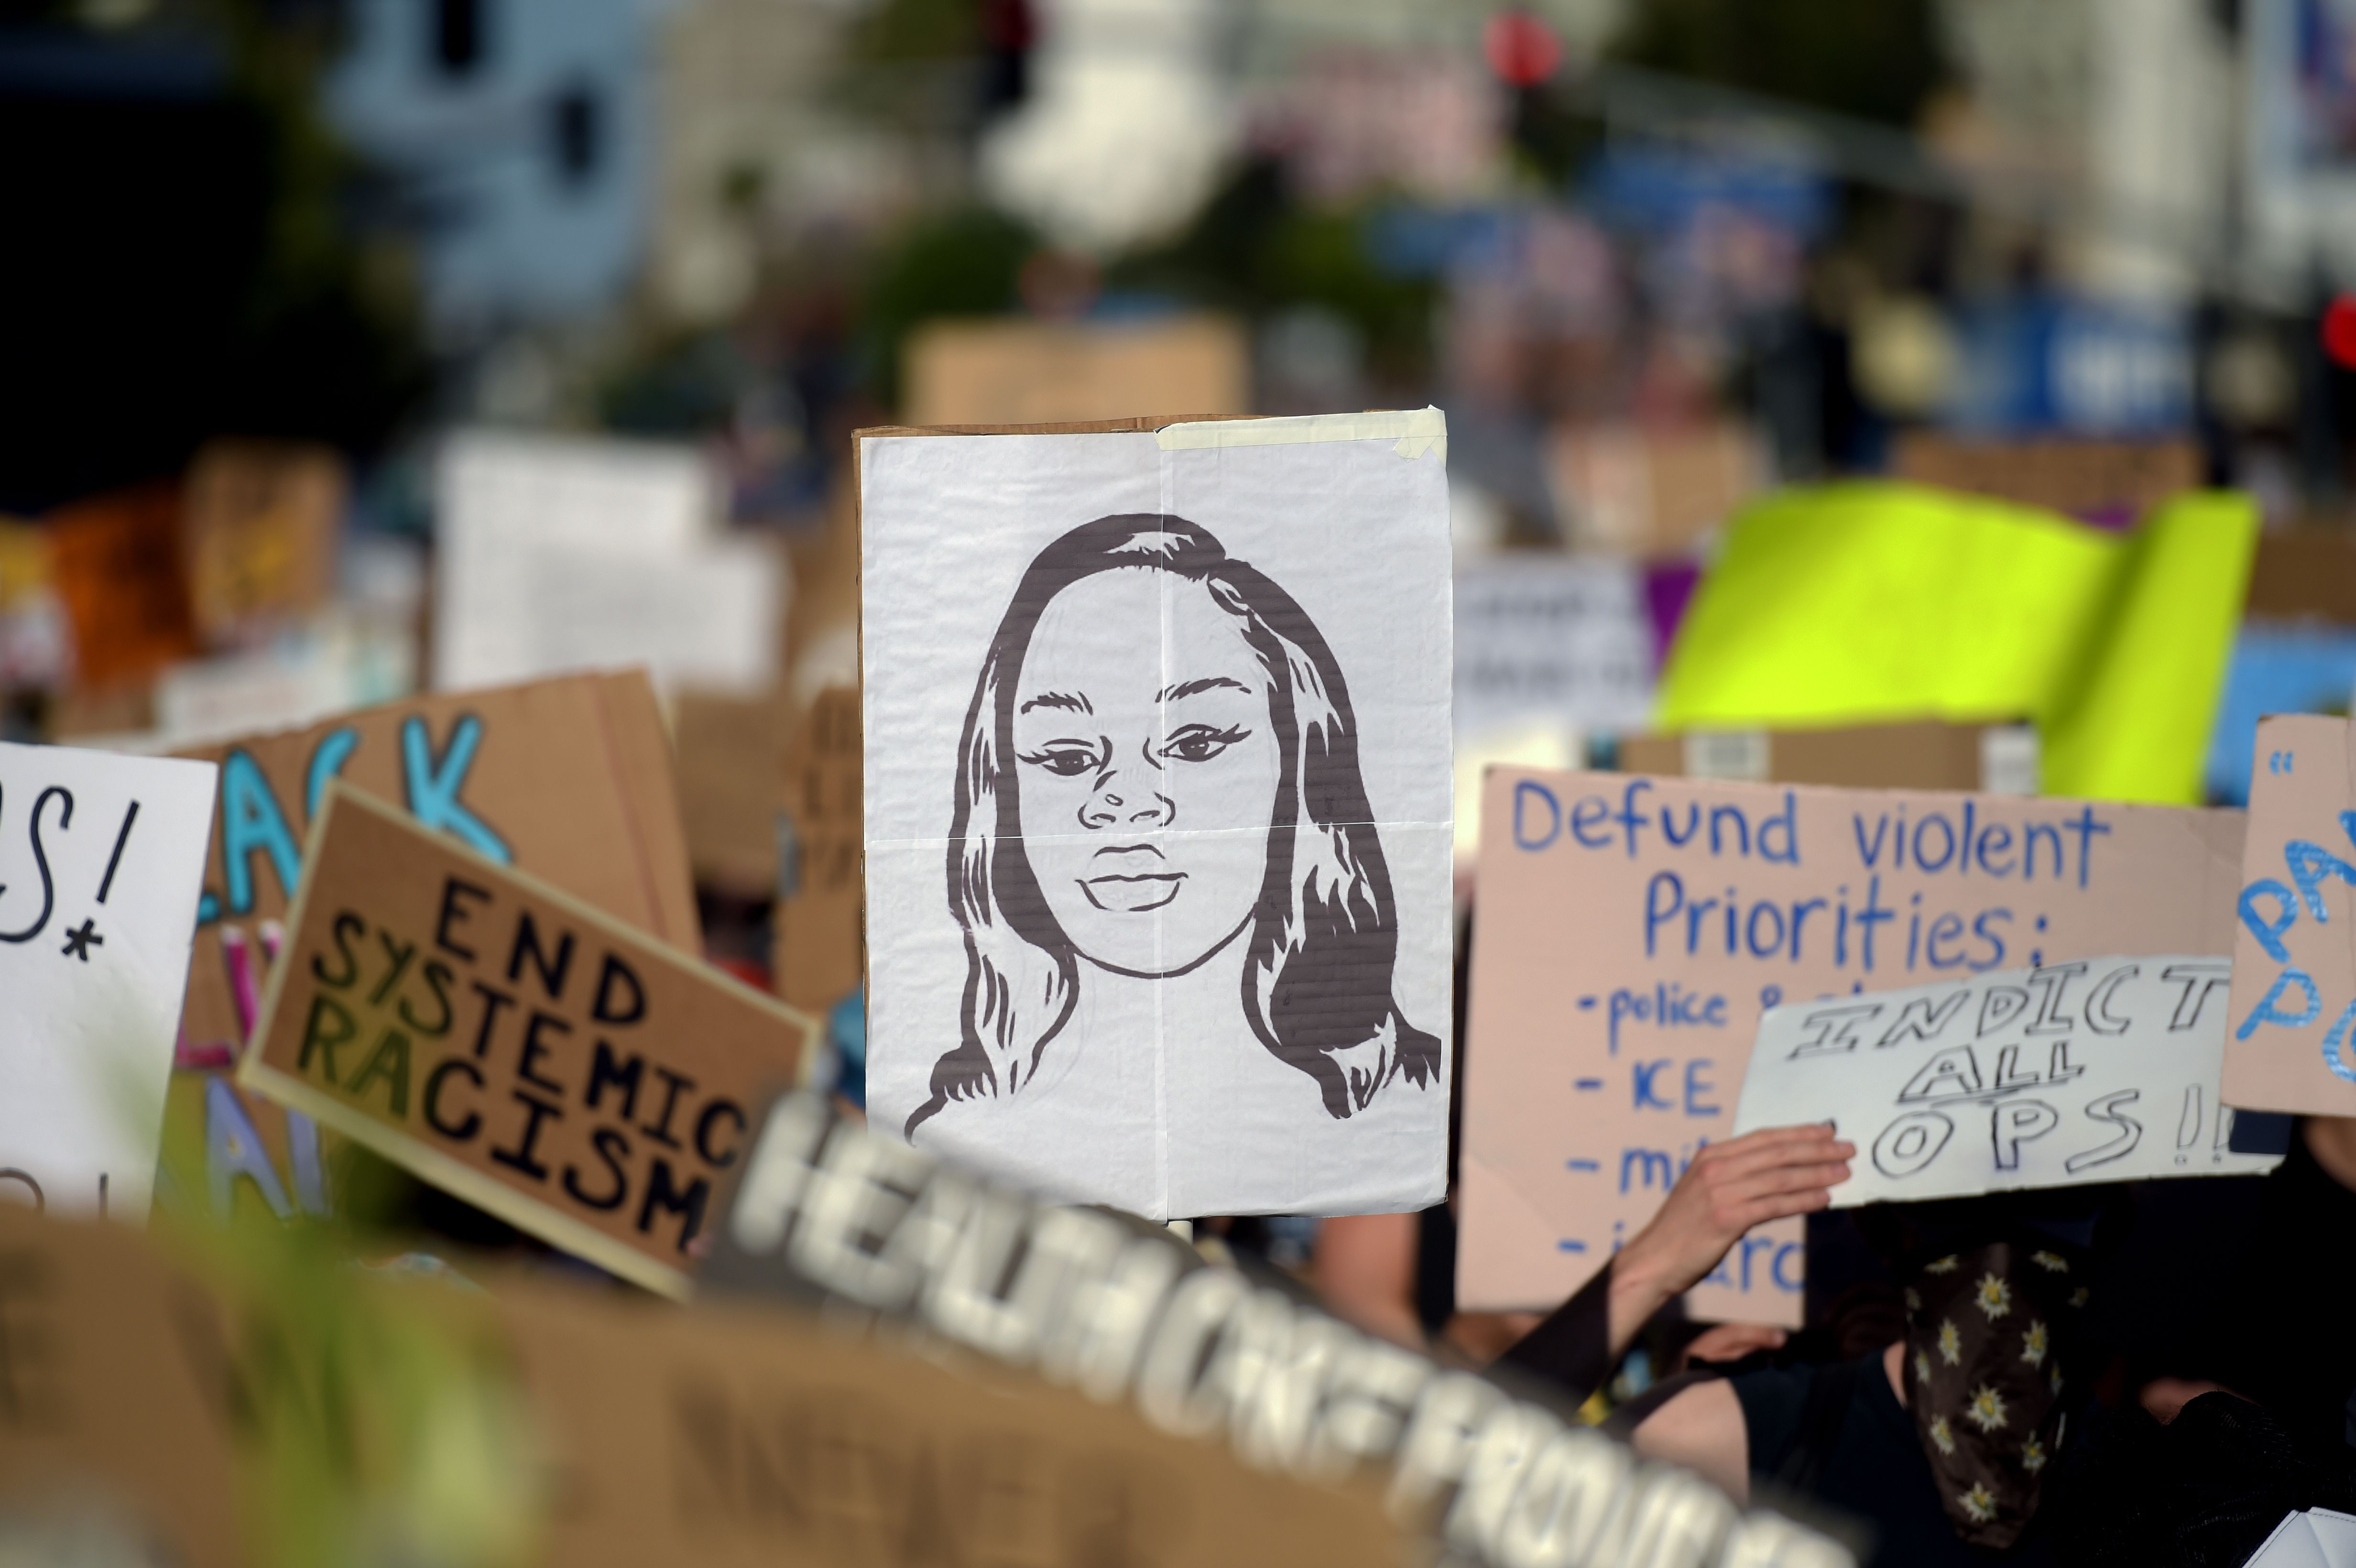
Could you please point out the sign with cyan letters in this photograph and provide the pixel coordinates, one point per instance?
(2094, 1070)
(2295, 948)
(1629, 931)
(510, 1044)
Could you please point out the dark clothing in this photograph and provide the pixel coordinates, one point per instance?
(1573, 1349)
(2285, 1340)
(1871, 1466)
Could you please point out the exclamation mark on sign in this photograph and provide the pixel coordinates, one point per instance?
(114, 861)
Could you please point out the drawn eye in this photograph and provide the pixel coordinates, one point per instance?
(1066, 759)
(1200, 742)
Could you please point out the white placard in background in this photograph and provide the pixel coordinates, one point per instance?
(1158, 810)
(2101, 1070)
(557, 554)
(101, 857)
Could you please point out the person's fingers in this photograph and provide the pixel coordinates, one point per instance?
(1819, 1149)
(1784, 1179)
(1753, 1215)
(1768, 1137)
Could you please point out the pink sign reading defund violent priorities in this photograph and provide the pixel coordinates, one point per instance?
(1629, 931)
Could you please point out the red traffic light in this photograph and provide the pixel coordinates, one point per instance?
(1522, 49)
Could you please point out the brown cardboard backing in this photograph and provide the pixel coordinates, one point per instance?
(2081, 477)
(2304, 573)
(105, 1420)
(1558, 1138)
(731, 765)
(727, 1434)
(545, 1062)
(261, 537)
(961, 371)
(1882, 756)
(819, 954)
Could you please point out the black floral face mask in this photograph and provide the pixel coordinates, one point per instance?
(1985, 1334)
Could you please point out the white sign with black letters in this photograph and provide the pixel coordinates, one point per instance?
(2101, 1070)
(100, 861)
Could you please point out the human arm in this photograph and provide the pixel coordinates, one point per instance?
(1702, 1429)
(1728, 1188)
(1365, 1268)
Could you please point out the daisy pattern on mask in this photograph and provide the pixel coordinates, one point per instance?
(2057, 1377)
(2078, 1296)
(1994, 1296)
(1987, 1409)
(1943, 1435)
(1914, 1301)
(1951, 1344)
(2051, 1263)
(1943, 1265)
(2033, 1345)
(1979, 1503)
(2032, 1455)
(1922, 1369)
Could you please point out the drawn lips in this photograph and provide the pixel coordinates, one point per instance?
(1133, 895)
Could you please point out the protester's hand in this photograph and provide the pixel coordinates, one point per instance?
(1728, 1190)
(2332, 1141)
(1724, 1342)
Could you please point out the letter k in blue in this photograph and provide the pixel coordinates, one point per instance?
(434, 786)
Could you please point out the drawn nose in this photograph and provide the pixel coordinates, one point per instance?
(1116, 804)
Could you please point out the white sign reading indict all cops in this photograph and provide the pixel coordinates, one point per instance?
(2101, 1070)
(100, 860)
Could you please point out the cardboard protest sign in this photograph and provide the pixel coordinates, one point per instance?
(1992, 759)
(112, 1435)
(1158, 807)
(819, 951)
(1560, 636)
(511, 1044)
(1023, 372)
(1628, 933)
(2295, 949)
(1652, 493)
(2107, 481)
(2094, 1070)
(99, 859)
(569, 779)
(118, 568)
(730, 1435)
(731, 762)
(261, 537)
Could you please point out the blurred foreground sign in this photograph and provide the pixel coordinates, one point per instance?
(98, 863)
(2095, 1070)
(509, 1043)
(1033, 372)
(2295, 952)
(1631, 930)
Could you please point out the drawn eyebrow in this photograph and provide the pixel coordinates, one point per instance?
(1189, 687)
(1058, 699)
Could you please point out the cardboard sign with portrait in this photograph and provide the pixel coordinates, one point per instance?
(1158, 808)
(1629, 931)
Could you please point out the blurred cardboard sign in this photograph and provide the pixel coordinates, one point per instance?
(508, 1042)
(569, 779)
(1629, 931)
(1553, 636)
(1992, 759)
(2097, 1069)
(117, 565)
(819, 954)
(727, 1434)
(731, 762)
(1033, 372)
(113, 1443)
(1651, 492)
(100, 863)
(261, 537)
(2295, 949)
(2305, 573)
(2100, 481)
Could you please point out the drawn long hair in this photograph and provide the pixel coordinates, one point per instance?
(1324, 935)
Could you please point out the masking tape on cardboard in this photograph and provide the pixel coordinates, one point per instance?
(1417, 431)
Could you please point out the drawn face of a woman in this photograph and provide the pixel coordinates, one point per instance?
(1146, 769)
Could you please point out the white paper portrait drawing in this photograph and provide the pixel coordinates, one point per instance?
(1157, 740)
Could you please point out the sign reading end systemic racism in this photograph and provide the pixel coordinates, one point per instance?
(2102, 1070)
(512, 1045)
(1631, 930)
